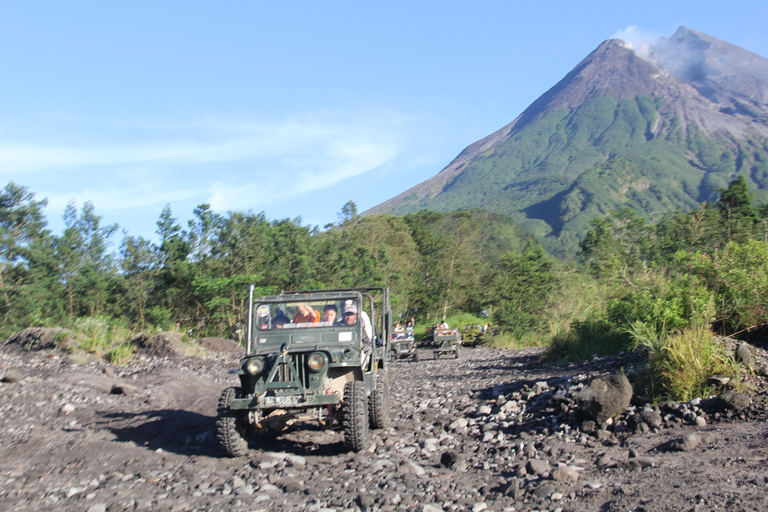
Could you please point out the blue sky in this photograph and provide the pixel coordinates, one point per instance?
(290, 108)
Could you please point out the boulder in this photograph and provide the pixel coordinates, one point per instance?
(733, 400)
(604, 398)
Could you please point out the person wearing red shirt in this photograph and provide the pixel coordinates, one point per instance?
(306, 314)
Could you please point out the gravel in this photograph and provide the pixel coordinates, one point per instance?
(493, 430)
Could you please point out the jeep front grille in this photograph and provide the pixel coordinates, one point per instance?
(284, 371)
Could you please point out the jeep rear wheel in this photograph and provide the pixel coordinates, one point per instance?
(378, 405)
(355, 416)
(232, 427)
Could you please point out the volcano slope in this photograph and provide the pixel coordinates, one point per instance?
(492, 430)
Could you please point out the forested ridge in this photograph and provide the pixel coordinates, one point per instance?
(634, 283)
(194, 277)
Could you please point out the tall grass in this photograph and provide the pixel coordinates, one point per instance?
(680, 365)
(105, 338)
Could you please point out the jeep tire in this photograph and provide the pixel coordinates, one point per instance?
(355, 416)
(232, 428)
(378, 402)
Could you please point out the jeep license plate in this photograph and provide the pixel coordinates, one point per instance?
(281, 400)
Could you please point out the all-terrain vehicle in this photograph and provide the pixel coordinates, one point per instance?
(447, 341)
(404, 346)
(319, 355)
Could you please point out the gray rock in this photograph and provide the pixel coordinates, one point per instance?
(365, 500)
(448, 459)
(605, 398)
(565, 473)
(290, 485)
(537, 467)
(411, 468)
(634, 464)
(484, 410)
(744, 353)
(123, 389)
(651, 418)
(604, 460)
(733, 400)
(686, 443)
(12, 376)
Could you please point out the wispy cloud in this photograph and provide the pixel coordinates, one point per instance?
(253, 162)
(294, 176)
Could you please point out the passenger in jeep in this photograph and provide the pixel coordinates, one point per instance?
(280, 320)
(330, 313)
(306, 314)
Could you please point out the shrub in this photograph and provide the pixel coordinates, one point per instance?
(586, 339)
(104, 337)
(120, 354)
(680, 367)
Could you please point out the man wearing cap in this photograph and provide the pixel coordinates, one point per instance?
(350, 318)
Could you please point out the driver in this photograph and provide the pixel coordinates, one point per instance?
(350, 318)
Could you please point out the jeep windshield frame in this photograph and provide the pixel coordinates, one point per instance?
(264, 335)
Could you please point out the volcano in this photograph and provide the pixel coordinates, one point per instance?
(656, 129)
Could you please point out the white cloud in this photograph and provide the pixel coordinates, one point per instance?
(638, 38)
(230, 165)
(204, 142)
(300, 174)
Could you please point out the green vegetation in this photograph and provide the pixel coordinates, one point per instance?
(663, 286)
(564, 168)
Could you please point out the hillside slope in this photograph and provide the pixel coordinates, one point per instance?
(656, 129)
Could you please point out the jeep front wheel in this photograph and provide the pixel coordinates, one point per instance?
(378, 405)
(232, 427)
(355, 416)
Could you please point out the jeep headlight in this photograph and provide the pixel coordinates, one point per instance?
(316, 361)
(255, 365)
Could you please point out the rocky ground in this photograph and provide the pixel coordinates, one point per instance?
(493, 430)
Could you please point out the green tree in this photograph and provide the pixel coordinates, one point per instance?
(174, 298)
(348, 212)
(524, 282)
(740, 218)
(22, 225)
(291, 261)
(86, 267)
(618, 245)
(429, 290)
(138, 260)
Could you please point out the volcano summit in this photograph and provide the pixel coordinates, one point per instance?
(658, 128)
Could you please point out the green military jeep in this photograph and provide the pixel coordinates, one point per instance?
(472, 335)
(404, 346)
(447, 341)
(318, 355)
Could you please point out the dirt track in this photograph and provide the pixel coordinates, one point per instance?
(92, 437)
